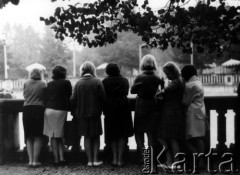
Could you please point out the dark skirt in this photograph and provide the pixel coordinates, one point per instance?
(172, 122)
(145, 125)
(89, 126)
(33, 119)
(118, 127)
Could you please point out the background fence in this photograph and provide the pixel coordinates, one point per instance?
(207, 80)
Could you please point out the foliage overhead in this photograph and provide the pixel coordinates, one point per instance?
(4, 2)
(209, 28)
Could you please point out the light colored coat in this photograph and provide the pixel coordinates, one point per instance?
(193, 98)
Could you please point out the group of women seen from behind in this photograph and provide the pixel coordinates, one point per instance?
(167, 114)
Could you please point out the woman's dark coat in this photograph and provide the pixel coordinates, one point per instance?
(118, 120)
(146, 86)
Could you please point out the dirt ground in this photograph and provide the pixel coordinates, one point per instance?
(74, 169)
(71, 169)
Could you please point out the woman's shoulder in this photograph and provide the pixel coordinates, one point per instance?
(124, 79)
(157, 77)
(106, 78)
(65, 81)
(97, 80)
(42, 83)
(113, 78)
(194, 82)
(29, 81)
(178, 83)
(61, 81)
(38, 82)
(149, 74)
(88, 79)
(94, 79)
(140, 76)
(195, 85)
(58, 82)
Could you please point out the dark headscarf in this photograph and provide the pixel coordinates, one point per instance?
(188, 71)
(113, 69)
(59, 72)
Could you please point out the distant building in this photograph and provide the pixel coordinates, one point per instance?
(227, 74)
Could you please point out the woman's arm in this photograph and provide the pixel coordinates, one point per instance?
(172, 87)
(69, 89)
(102, 95)
(73, 99)
(126, 87)
(238, 90)
(136, 85)
(24, 93)
(162, 83)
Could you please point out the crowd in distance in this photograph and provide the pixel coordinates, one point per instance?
(169, 113)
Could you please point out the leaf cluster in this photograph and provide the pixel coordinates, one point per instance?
(207, 27)
(4, 2)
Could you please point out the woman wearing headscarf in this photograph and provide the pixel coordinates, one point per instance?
(118, 119)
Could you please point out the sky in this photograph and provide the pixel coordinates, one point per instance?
(28, 12)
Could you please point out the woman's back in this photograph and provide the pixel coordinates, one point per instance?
(116, 86)
(33, 92)
(173, 93)
(146, 85)
(195, 89)
(88, 97)
(58, 93)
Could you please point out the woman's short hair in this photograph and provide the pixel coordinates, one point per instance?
(59, 72)
(188, 71)
(113, 69)
(173, 68)
(87, 68)
(36, 74)
(148, 62)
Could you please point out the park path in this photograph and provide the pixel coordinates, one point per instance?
(71, 169)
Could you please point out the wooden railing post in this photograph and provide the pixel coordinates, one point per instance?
(9, 132)
(207, 139)
(237, 133)
(71, 135)
(221, 130)
(11, 122)
(10, 127)
(107, 148)
(76, 144)
(2, 136)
